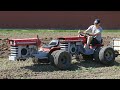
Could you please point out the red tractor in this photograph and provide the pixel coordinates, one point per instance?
(59, 52)
(22, 49)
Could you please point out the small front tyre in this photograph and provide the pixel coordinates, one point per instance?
(107, 55)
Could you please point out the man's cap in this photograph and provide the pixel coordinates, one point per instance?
(97, 21)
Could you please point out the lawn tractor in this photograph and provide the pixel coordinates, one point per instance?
(59, 52)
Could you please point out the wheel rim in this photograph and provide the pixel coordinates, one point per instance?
(73, 49)
(109, 55)
(24, 51)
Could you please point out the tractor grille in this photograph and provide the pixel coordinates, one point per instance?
(13, 51)
(64, 46)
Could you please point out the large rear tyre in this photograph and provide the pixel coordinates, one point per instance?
(96, 54)
(51, 57)
(107, 55)
(61, 59)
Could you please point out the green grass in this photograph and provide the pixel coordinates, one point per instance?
(47, 30)
(111, 31)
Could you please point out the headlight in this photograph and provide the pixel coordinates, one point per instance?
(11, 42)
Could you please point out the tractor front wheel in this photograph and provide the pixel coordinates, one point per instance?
(107, 55)
(96, 54)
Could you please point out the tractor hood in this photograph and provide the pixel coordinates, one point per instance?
(27, 41)
(75, 38)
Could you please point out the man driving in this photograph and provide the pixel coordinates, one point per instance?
(94, 34)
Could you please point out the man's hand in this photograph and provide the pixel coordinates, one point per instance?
(90, 34)
(79, 32)
(84, 32)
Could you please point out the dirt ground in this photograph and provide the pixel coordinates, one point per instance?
(79, 69)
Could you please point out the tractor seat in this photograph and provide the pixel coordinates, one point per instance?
(101, 44)
(96, 43)
(53, 43)
(47, 46)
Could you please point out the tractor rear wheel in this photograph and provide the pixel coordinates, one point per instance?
(96, 54)
(51, 57)
(107, 55)
(61, 59)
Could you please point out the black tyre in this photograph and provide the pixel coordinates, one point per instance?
(107, 55)
(21, 59)
(62, 59)
(96, 54)
(51, 57)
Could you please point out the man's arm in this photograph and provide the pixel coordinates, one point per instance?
(89, 28)
(94, 34)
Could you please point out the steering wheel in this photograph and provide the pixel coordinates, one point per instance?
(84, 34)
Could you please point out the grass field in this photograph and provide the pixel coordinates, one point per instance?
(44, 30)
(78, 70)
